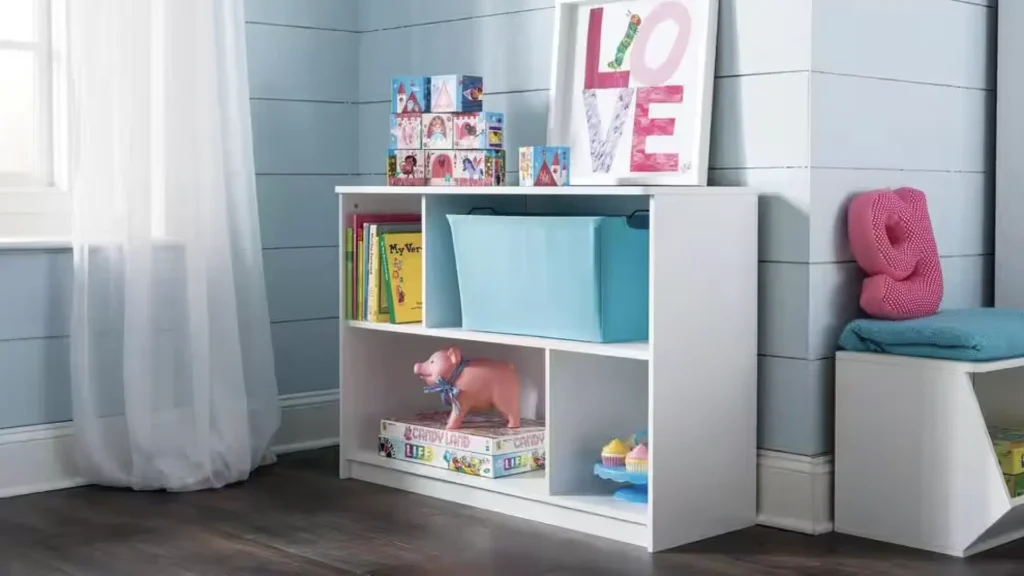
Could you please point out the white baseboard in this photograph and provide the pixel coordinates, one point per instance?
(794, 492)
(41, 458)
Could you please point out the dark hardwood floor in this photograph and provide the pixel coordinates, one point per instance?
(297, 518)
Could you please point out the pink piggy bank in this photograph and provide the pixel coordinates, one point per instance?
(471, 385)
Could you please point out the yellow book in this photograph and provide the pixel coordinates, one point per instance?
(402, 271)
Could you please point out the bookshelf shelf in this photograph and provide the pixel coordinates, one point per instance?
(692, 385)
(529, 486)
(635, 350)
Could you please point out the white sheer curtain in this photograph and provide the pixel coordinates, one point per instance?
(172, 370)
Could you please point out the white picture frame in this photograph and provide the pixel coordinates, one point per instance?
(597, 122)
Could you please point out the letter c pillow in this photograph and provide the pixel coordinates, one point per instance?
(891, 237)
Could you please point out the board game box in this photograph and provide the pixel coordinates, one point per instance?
(462, 461)
(1009, 446)
(1014, 484)
(482, 433)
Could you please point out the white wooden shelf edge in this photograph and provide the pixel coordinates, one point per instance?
(931, 363)
(529, 486)
(551, 190)
(532, 510)
(635, 350)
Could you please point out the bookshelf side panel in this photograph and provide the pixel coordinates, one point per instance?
(703, 367)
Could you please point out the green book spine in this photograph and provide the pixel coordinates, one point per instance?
(349, 283)
(385, 271)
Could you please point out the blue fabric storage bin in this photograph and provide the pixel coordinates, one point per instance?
(569, 277)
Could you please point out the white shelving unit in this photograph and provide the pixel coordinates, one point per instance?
(692, 386)
(914, 464)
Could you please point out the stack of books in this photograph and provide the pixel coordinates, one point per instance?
(384, 268)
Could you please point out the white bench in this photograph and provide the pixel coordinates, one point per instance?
(914, 464)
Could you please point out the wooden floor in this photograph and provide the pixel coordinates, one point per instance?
(297, 518)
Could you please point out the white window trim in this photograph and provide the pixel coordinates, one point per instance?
(34, 211)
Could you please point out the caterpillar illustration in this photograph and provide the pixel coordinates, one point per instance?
(627, 41)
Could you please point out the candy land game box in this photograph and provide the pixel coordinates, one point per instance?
(482, 447)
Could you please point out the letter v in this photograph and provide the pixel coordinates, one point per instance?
(603, 143)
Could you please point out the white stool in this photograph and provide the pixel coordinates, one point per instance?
(914, 463)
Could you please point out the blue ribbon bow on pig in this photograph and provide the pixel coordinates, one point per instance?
(449, 393)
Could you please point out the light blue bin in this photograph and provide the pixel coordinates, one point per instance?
(568, 277)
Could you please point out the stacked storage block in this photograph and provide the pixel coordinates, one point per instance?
(441, 136)
(544, 166)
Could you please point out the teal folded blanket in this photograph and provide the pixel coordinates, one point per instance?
(974, 335)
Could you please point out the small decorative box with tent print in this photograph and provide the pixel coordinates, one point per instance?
(544, 166)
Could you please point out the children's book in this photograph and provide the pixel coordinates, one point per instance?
(401, 256)
(376, 302)
(348, 272)
(379, 311)
(358, 275)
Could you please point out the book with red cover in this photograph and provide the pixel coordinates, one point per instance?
(357, 227)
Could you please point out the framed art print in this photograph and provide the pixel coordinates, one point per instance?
(632, 88)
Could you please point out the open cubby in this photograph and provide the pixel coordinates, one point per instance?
(914, 462)
(691, 384)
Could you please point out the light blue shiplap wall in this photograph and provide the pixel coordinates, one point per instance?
(302, 70)
(900, 93)
(814, 99)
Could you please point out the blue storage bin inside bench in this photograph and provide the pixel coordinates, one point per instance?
(569, 277)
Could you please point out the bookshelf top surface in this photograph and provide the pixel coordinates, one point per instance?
(551, 190)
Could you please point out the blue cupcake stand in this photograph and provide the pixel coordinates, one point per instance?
(637, 489)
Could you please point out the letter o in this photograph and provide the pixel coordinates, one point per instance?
(671, 11)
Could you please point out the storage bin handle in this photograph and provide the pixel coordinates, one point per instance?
(638, 219)
(633, 220)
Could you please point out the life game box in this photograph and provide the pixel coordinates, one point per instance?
(482, 447)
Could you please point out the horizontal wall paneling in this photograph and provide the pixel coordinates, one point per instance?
(945, 42)
(282, 61)
(325, 14)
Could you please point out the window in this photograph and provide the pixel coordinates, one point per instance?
(34, 198)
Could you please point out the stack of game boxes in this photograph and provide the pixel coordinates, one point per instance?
(482, 446)
(440, 134)
(1009, 446)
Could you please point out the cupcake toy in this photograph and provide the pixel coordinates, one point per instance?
(614, 453)
(625, 461)
(636, 459)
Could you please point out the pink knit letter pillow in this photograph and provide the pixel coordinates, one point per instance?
(891, 238)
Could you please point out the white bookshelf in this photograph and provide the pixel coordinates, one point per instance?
(914, 463)
(692, 385)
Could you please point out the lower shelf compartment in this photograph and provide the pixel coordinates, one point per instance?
(524, 495)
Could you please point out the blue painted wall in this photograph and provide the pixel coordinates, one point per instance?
(915, 110)
(302, 72)
(804, 110)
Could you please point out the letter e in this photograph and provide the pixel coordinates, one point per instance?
(644, 126)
